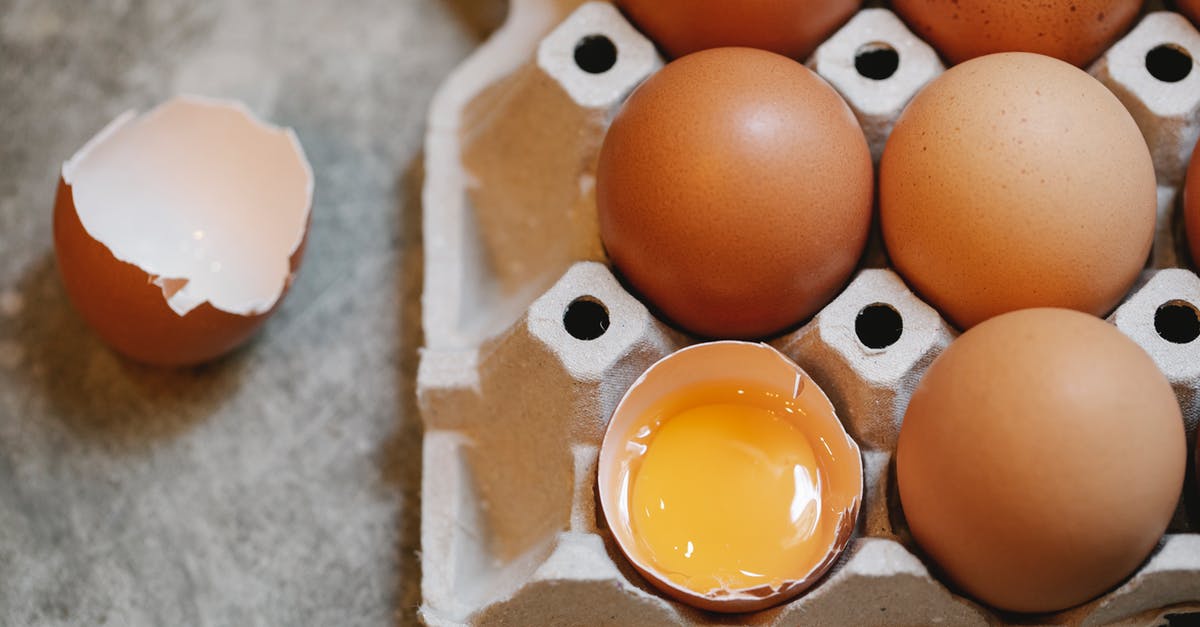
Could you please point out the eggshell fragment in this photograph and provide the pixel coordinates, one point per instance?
(1013, 181)
(1040, 459)
(722, 363)
(792, 28)
(178, 232)
(1076, 32)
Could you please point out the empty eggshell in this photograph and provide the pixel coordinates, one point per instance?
(178, 232)
(732, 364)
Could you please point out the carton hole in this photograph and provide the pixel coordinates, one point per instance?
(595, 54)
(878, 325)
(876, 61)
(1177, 322)
(1169, 63)
(586, 318)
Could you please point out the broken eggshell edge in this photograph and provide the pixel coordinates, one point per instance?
(762, 364)
(128, 307)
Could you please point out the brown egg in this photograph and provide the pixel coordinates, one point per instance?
(178, 232)
(1190, 8)
(1040, 459)
(792, 28)
(734, 192)
(1076, 32)
(1191, 207)
(1016, 180)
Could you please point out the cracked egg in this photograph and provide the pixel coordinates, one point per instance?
(177, 232)
(727, 479)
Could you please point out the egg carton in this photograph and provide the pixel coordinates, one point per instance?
(531, 340)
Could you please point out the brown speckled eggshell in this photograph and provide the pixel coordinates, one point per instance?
(734, 191)
(1040, 459)
(1076, 31)
(792, 28)
(1016, 180)
(1191, 207)
(128, 312)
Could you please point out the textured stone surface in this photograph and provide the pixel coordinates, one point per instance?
(279, 485)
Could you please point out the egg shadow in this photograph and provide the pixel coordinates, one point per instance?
(401, 455)
(95, 393)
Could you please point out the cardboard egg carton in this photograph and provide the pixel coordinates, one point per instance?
(531, 340)
(1166, 107)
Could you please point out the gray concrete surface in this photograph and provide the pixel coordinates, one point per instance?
(278, 486)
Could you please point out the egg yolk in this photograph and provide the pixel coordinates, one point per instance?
(727, 494)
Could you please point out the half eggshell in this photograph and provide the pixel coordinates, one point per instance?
(722, 362)
(178, 232)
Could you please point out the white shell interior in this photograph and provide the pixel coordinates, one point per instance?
(202, 196)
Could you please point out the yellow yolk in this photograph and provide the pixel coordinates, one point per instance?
(727, 496)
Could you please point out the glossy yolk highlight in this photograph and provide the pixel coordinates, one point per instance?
(727, 496)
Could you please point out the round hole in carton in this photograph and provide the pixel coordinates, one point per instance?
(1169, 63)
(876, 61)
(878, 325)
(595, 54)
(586, 318)
(1177, 322)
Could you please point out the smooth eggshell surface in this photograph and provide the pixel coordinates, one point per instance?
(1040, 459)
(1016, 180)
(792, 28)
(734, 192)
(1076, 31)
